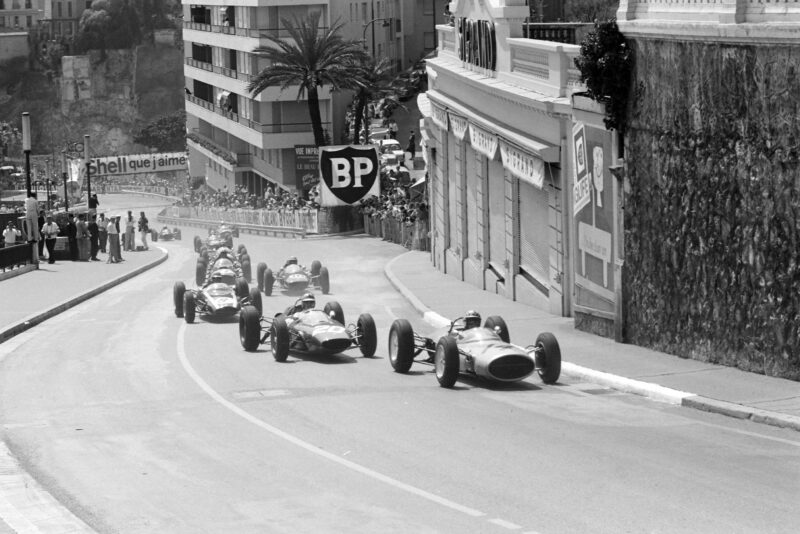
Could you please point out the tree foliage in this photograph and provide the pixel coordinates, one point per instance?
(10, 141)
(374, 80)
(165, 134)
(606, 64)
(108, 24)
(311, 59)
(590, 10)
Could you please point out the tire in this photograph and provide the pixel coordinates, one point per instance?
(200, 273)
(279, 339)
(229, 243)
(269, 282)
(204, 253)
(316, 265)
(324, 281)
(446, 361)
(189, 307)
(242, 288)
(336, 308)
(368, 334)
(235, 232)
(244, 257)
(153, 236)
(255, 299)
(249, 328)
(197, 243)
(495, 322)
(401, 345)
(241, 249)
(247, 271)
(548, 359)
(176, 233)
(260, 269)
(177, 297)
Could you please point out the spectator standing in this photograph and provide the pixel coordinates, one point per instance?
(72, 236)
(94, 236)
(412, 145)
(82, 236)
(39, 224)
(130, 234)
(393, 128)
(103, 232)
(112, 230)
(10, 234)
(32, 223)
(50, 230)
(93, 203)
(144, 228)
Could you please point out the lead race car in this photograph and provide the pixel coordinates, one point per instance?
(304, 329)
(293, 277)
(466, 347)
(222, 295)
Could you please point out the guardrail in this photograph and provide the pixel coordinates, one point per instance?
(16, 256)
(275, 231)
(307, 220)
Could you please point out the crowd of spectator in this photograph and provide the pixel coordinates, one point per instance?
(396, 216)
(272, 199)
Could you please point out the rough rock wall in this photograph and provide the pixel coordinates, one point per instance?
(712, 222)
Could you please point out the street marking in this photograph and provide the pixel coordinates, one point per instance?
(390, 312)
(307, 446)
(505, 524)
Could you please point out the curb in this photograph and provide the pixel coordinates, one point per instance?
(628, 385)
(33, 320)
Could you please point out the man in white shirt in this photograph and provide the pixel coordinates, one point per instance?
(50, 231)
(10, 234)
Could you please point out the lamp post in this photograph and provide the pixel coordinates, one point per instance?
(64, 177)
(386, 23)
(26, 147)
(88, 171)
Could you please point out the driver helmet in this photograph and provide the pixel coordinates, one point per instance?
(308, 301)
(216, 277)
(292, 260)
(472, 319)
(223, 252)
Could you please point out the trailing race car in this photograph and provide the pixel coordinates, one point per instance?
(207, 262)
(307, 330)
(216, 298)
(293, 277)
(465, 347)
(165, 234)
(221, 236)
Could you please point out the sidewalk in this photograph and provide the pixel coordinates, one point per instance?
(30, 298)
(629, 368)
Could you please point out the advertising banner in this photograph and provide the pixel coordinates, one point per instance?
(348, 174)
(594, 218)
(525, 166)
(139, 163)
(483, 141)
(306, 164)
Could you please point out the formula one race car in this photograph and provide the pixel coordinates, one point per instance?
(293, 277)
(307, 331)
(466, 347)
(217, 298)
(221, 236)
(223, 257)
(165, 234)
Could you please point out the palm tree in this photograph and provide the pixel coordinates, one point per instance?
(311, 59)
(374, 80)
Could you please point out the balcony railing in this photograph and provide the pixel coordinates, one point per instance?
(225, 71)
(256, 33)
(286, 127)
(562, 32)
(549, 66)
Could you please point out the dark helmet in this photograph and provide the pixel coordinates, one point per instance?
(308, 301)
(216, 277)
(472, 319)
(292, 260)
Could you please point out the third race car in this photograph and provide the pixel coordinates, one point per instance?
(293, 277)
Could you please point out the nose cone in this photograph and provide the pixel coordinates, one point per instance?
(333, 341)
(510, 367)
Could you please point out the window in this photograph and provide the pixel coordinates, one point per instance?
(88, 4)
(28, 4)
(69, 9)
(364, 12)
(28, 21)
(16, 21)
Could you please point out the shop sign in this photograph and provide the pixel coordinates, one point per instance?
(306, 164)
(439, 116)
(477, 42)
(138, 163)
(349, 174)
(483, 141)
(582, 187)
(459, 126)
(524, 166)
(597, 243)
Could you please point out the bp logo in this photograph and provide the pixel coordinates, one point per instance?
(348, 173)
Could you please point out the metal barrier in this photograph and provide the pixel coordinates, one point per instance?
(413, 236)
(16, 255)
(308, 220)
(276, 231)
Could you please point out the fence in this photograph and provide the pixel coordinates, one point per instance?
(305, 219)
(15, 256)
(413, 236)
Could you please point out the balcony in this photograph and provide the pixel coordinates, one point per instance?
(214, 150)
(544, 66)
(224, 71)
(254, 33)
(561, 32)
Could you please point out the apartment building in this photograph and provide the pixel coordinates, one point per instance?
(21, 14)
(65, 16)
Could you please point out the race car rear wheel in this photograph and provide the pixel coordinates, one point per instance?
(316, 265)
(242, 288)
(247, 270)
(177, 297)
(496, 323)
(197, 243)
(334, 309)
(446, 361)
(367, 335)
(200, 272)
(229, 242)
(548, 358)
(279, 339)
(269, 282)
(241, 249)
(401, 345)
(324, 280)
(255, 299)
(260, 270)
(249, 328)
(189, 307)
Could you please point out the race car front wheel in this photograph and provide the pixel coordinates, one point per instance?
(279, 339)
(548, 358)
(269, 282)
(255, 299)
(324, 280)
(178, 291)
(401, 345)
(261, 268)
(249, 328)
(367, 335)
(446, 361)
(189, 307)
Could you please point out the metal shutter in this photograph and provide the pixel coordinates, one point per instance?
(534, 229)
(472, 225)
(452, 195)
(497, 216)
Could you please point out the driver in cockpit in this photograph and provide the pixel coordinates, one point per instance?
(306, 302)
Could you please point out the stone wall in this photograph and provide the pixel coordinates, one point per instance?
(712, 219)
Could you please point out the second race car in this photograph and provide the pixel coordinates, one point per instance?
(217, 298)
(466, 347)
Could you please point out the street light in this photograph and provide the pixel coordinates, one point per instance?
(64, 177)
(386, 23)
(26, 147)
(88, 172)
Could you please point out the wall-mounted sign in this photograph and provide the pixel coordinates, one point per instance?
(523, 165)
(582, 187)
(459, 125)
(349, 173)
(483, 141)
(139, 163)
(439, 116)
(477, 42)
(306, 164)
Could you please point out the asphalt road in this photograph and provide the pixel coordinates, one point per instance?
(139, 422)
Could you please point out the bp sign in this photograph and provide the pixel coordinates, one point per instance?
(349, 173)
